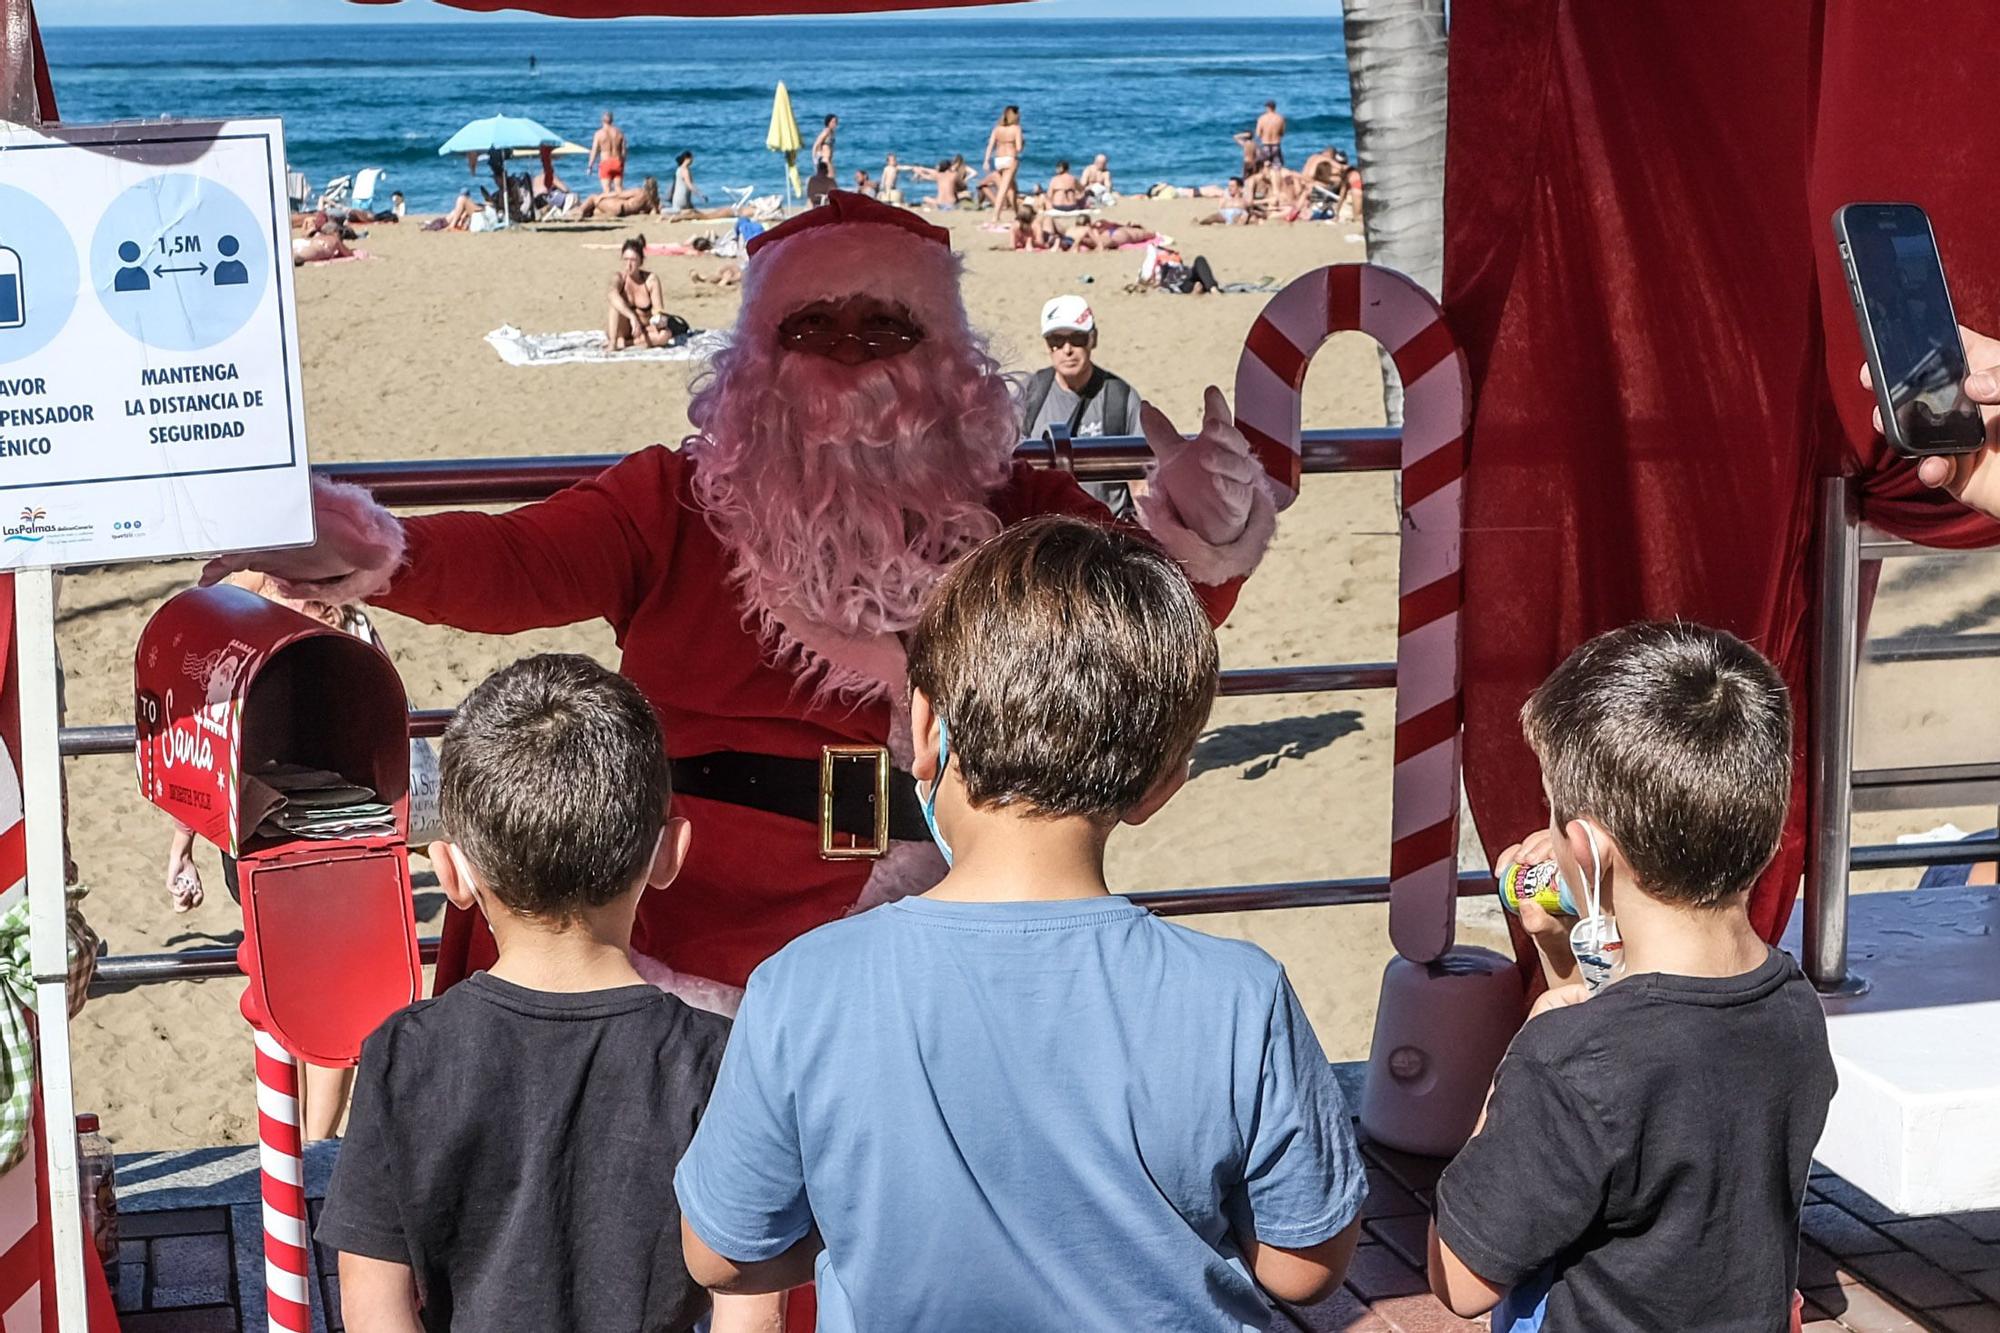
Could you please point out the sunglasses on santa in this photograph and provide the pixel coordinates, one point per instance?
(846, 335)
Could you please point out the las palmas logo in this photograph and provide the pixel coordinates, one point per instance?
(30, 529)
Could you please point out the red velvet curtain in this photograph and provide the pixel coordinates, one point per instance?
(1639, 263)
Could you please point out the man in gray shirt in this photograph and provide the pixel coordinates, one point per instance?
(1074, 389)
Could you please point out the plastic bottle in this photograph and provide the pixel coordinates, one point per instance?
(97, 1171)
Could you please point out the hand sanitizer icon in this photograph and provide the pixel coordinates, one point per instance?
(13, 303)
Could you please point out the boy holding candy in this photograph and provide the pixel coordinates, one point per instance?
(1642, 1158)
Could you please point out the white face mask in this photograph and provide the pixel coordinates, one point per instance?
(1600, 954)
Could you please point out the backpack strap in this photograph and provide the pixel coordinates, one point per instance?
(1092, 387)
(1034, 394)
(1117, 403)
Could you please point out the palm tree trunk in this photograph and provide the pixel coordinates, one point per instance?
(19, 104)
(1396, 72)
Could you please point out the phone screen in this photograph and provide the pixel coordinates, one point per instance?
(1906, 312)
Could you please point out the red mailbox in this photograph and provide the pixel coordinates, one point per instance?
(230, 685)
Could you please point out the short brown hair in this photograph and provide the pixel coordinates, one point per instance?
(1677, 740)
(554, 783)
(1072, 664)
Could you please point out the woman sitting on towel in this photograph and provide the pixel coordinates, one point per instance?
(638, 303)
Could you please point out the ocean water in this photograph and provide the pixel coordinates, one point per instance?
(1160, 97)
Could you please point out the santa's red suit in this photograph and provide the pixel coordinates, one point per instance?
(757, 592)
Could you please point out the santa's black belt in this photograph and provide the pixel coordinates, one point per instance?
(856, 797)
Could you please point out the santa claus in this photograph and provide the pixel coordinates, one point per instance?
(850, 442)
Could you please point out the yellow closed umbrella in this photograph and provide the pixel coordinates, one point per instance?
(784, 137)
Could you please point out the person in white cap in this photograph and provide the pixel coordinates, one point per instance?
(1074, 390)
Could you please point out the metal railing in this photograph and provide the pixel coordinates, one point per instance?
(441, 482)
(119, 973)
(1834, 786)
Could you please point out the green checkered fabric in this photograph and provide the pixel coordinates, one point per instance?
(17, 1001)
(17, 1046)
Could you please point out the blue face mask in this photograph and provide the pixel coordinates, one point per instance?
(930, 797)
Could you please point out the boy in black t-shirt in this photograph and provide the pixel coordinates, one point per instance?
(1643, 1154)
(510, 1153)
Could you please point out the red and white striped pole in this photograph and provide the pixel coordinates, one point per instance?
(1402, 317)
(287, 1262)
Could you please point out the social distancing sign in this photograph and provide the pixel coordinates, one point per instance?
(150, 400)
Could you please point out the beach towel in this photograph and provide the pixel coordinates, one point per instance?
(554, 349)
(652, 248)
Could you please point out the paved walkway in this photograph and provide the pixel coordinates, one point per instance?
(192, 1255)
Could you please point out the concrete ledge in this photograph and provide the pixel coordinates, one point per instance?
(1918, 1051)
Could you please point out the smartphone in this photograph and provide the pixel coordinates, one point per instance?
(1908, 329)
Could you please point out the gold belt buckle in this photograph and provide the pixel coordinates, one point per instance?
(830, 755)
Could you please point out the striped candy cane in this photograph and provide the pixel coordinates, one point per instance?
(1423, 853)
(287, 1265)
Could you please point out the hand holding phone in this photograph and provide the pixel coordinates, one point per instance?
(1916, 362)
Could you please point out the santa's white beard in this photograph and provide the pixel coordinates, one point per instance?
(842, 492)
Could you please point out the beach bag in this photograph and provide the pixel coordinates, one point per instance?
(678, 327)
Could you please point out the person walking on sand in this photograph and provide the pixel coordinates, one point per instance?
(1003, 160)
(607, 152)
(823, 144)
(1270, 134)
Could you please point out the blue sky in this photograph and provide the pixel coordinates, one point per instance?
(77, 13)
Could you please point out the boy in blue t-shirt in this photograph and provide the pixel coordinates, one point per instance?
(1019, 1101)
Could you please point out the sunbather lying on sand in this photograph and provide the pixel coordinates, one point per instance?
(461, 215)
(624, 203)
(729, 275)
(322, 245)
(1107, 235)
(1035, 231)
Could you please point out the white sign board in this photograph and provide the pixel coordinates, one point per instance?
(149, 365)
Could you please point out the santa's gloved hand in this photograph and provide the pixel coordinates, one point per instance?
(359, 548)
(1212, 480)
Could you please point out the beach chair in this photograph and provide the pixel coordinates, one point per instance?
(334, 193)
(298, 191)
(367, 183)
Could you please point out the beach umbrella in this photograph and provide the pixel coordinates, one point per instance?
(505, 133)
(568, 149)
(501, 135)
(783, 137)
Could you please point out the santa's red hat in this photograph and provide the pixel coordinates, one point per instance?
(852, 245)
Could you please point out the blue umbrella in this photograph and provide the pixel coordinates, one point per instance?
(501, 132)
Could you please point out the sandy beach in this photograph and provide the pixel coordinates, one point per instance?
(1285, 787)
